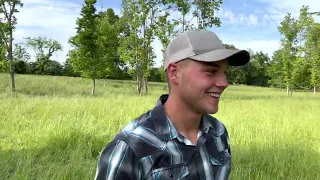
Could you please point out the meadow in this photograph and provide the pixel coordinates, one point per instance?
(54, 129)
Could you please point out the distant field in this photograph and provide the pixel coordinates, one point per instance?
(54, 129)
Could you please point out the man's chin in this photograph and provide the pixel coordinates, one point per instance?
(212, 110)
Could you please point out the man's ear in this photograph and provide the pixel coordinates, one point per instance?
(172, 73)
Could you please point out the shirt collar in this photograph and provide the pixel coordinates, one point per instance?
(163, 125)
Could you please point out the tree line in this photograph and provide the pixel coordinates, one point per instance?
(110, 46)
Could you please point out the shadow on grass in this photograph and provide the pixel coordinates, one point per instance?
(70, 157)
(277, 163)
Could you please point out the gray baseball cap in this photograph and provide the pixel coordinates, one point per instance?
(202, 45)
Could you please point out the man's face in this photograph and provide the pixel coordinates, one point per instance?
(201, 84)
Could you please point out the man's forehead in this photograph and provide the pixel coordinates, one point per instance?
(217, 64)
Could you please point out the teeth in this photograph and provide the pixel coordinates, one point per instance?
(216, 95)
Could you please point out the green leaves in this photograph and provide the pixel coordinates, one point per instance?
(299, 55)
(140, 21)
(206, 13)
(313, 48)
(95, 43)
(20, 53)
(8, 8)
(43, 47)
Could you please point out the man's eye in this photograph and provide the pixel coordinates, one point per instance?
(211, 71)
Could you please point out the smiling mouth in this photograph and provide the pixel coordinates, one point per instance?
(215, 95)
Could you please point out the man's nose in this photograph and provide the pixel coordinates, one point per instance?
(222, 81)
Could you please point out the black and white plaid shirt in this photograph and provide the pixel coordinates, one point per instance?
(151, 148)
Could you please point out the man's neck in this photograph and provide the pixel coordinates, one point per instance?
(186, 121)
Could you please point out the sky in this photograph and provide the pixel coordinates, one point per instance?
(250, 24)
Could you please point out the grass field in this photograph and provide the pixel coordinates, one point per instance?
(54, 129)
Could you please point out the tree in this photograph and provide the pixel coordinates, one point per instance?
(8, 8)
(20, 56)
(20, 67)
(259, 64)
(184, 7)
(135, 42)
(301, 67)
(313, 47)
(304, 24)
(20, 53)
(165, 31)
(148, 20)
(4, 63)
(205, 13)
(44, 48)
(288, 28)
(85, 57)
(68, 70)
(107, 41)
(274, 71)
(203, 10)
(53, 68)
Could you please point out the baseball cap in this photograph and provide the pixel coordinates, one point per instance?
(202, 45)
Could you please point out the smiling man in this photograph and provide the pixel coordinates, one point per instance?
(178, 138)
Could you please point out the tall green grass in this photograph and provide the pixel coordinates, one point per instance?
(54, 129)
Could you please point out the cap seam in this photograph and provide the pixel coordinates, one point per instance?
(192, 48)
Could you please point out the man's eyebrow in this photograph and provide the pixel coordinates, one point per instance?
(215, 64)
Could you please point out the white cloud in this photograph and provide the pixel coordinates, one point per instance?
(227, 16)
(266, 46)
(50, 19)
(265, 19)
(56, 19)
(230, 16)
(278, 9)
(156, 44)
(252, 20)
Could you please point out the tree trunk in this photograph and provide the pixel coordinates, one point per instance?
(93, 86)
(146, 84)
(138, 83)
(288, 90)
(13, 87)
(141, 84)
(314, 91)
(105, 82)
(139, 80)
(182, 23)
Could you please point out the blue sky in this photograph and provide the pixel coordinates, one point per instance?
(248, 24)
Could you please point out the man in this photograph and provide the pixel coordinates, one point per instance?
(178, 139)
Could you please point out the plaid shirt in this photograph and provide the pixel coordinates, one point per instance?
(151, 148)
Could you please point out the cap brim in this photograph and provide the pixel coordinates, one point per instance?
(234, 57)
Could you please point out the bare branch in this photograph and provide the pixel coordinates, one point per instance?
(12, 11)
(5, 11)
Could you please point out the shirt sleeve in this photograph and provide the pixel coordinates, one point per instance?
(117, 162)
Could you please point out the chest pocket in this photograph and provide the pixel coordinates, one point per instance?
(222, 159)
(174, 172)
(221, 164)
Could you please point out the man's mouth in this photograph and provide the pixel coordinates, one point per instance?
(216, 95)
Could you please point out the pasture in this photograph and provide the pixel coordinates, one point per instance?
(54, 128)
